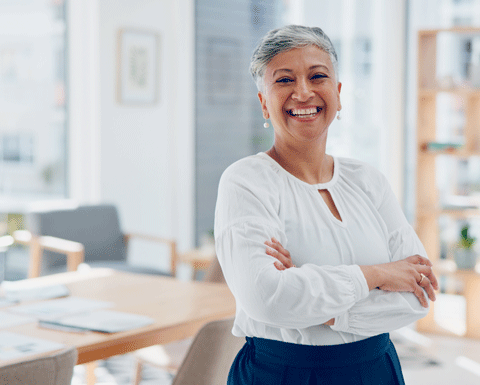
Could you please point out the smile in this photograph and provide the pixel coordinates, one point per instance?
(304, 112)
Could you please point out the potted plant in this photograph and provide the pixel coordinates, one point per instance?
(464, 254)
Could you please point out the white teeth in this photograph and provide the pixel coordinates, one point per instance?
(304, 111)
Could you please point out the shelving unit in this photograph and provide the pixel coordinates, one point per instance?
(428, 207)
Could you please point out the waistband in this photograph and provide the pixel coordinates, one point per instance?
(309, 356)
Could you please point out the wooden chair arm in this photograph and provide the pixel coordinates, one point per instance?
(152, 238)
(74, 251)
(59, 245)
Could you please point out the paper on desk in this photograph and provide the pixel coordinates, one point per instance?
(6, 302)
(13, 346)
(8, 319)
(105, 321)
(16, 293)
(60, 307)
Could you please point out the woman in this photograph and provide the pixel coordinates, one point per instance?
(315, 248)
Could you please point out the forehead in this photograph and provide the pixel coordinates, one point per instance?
(297, 59)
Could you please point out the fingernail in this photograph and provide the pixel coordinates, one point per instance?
(274, 240)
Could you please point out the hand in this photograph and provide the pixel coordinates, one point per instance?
(276, 250)
(408, 275)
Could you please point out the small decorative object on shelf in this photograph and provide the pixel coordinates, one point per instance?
(465, 256)
(442, 146)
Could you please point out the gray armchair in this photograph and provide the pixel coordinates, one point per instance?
(89, 234)
(210, 356)
(55, 369)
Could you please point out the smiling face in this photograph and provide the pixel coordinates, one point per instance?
(301, 95)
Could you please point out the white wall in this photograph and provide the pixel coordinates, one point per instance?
(146, 152)
(84, 100)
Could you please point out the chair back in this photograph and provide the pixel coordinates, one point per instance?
(97, 227)
(214, 272)
(210, 356)
(55, 369)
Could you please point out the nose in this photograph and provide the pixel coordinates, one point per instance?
(302, 90)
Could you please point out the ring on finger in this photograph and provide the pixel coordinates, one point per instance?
(423, 276)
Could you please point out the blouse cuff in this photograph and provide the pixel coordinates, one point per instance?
(359, 281)
(341, 323)
(361, 292)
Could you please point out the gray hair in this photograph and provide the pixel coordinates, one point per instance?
(284, 39)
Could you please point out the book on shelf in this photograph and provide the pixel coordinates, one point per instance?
(442, 146)
(459, 202)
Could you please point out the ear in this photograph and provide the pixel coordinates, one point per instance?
(339, 88)
(263, 103)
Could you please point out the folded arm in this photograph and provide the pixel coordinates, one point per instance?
(396, 299)
(297, 298)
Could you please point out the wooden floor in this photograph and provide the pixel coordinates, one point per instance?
(453, 361)
(425, 359)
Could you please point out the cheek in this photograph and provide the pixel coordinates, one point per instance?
(279, 100)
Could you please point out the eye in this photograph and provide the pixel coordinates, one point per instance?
(284, 80)
(318, 76)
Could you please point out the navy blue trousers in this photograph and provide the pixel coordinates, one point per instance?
(372, 361)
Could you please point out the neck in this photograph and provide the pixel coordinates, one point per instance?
(312, 164)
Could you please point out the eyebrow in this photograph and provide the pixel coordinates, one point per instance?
(310, 68)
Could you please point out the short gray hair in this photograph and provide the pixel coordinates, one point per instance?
(284, 39)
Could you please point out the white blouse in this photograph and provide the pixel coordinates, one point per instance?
(258, 199)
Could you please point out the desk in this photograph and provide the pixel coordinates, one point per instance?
(179, 309)
(199, 259)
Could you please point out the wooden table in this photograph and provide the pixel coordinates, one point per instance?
(179, 309)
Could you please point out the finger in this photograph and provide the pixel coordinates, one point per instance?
(426, 284)
(330, 322)
(419, 293)
(428, 272)
(287, 262)
(278, 246)
(279, 266)
(418, 259)
(433, 280)
(273, 245)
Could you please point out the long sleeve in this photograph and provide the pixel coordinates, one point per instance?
(387, 311)
(247, 214)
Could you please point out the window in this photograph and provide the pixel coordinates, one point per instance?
(33, 103)
(371, 69)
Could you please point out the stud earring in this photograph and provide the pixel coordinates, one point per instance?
(339, 117)
(266, 124)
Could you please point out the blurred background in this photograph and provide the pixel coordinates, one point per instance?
(71, 132)
(143, 103)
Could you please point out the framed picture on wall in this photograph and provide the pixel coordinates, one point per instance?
(137, 81)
